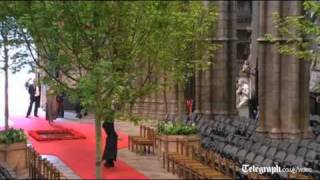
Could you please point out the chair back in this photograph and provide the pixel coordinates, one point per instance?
(150, 133)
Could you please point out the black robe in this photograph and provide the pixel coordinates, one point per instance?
(111, 146)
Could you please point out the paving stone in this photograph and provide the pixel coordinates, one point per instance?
(150, 166)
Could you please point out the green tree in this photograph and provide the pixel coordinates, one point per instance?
(13, 58)
(111, 53)
(301, 34)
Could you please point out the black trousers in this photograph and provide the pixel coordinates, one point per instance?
(60, 109)
(36, 101)
(111, 146)
(253, 108)
(78, 108)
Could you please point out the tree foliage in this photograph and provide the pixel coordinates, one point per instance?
(12, 55)
(300, 34)
(18, 56)
(120, 49)
(111, 53)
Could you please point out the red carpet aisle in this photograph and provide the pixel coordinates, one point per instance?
(79, 154)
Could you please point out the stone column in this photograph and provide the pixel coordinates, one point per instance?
(216, 86)
(253, 58)
(172, 100)
(198, 84)
(283, 80)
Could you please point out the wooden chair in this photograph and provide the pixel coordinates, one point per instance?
(204, 170)
(145, 144)
(226, 166)
(186, 159)
(174, 160)
(216, 158)
(131, 138)
(194, 164)
(298, 175)
(211, 175)
(254, 175)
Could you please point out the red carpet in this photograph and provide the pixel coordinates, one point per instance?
(78, 154)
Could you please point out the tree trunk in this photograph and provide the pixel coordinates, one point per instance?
(6, 85)
(165, 95)
(98, 116)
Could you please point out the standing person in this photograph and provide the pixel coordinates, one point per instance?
(79, 108)
(111, 145)
(253, 106)
(60, 100)
(37, 96)
(34, 93)
(51, 105)
(27, 83)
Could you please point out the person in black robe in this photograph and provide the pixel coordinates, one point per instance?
(111, 145)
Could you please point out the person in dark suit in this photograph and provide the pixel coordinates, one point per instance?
(60, 100)
(111, 145)
(79, 108)
(34, 93)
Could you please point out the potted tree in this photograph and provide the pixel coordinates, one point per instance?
(171, 132)
(13, 149)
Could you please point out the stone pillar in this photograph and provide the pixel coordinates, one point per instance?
(216, 86)
(172, 100)
(253, 58)
(283, 80)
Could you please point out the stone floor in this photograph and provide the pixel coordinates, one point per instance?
(148, 165)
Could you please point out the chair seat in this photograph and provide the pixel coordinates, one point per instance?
(180, 158)
(259, 176)
(188, 161)
(144, 141)
(213, 175)
(196, 166)
(135, 137)
(173, 154)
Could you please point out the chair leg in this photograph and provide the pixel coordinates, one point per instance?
(173, 168)
(163, 160)
(137, 148)
(133, 145)
(142, 148)
(129, 140)
(153, 150)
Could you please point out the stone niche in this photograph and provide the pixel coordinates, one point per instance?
(15, 156)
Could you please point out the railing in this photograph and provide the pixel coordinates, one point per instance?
(41, 168)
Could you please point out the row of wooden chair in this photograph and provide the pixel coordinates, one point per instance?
(41, 168)
(190, 162)
(145, 142)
